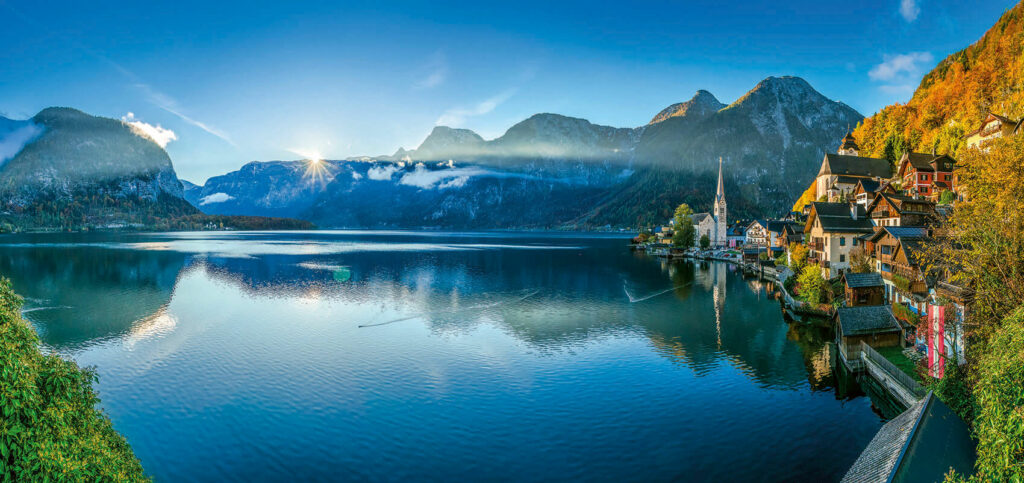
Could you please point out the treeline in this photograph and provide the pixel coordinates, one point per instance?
(955, 97)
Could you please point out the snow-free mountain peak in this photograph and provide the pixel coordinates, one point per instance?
(701, 104)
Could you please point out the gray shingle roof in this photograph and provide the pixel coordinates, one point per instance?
(699, 217)
(866, 319)
(839, 164)
(862, 280)
(835, 217)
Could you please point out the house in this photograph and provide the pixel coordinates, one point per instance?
(736, 235)
(777, 238)
(900, 210)
(926, 174)
(751, 255)
(840, 172)
(993, 127)
(663, 234)
(948, 311)
(863, 289)
(832, 231)
(921, 444)
(872, 324)
(897, 252)
(865, 190)
(793, 233)
(757, 233)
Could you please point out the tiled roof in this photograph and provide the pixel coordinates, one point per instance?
(870, 185)
(836, 217)
(862, 280)
(866, 319)
(900, 232)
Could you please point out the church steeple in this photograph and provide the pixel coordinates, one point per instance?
(849, 145)
(720, 194)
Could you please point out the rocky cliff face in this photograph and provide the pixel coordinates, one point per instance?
(84, 169)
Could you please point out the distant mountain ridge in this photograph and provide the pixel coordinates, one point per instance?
(552, 171)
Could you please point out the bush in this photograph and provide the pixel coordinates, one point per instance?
(51, 429)
(812, 286)
(999, 402)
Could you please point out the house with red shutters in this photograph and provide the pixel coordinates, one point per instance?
(926, 175)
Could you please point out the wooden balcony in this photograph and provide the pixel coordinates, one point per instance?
(816, 245)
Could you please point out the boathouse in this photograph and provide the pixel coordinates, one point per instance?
(921, 444)
(864, 289)
(872, 324)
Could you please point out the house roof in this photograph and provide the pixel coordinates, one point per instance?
(994, 117)
(836, 217)
(913, 248)
(897, 202)
(868, 185)
(866, 319)
(921, 444)
(863, 280)
(900, 232)
(840, 164)
(844, 179)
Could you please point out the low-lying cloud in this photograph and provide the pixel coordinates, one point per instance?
(381, 173)
(157, 133)
(13, 141)
(424, 178)
(215, 198)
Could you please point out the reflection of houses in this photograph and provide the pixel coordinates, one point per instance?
(863, 289)
(921, 444)
(872, 324)
(832, 231)
(899, 210)
(926, 174)
(839, 173)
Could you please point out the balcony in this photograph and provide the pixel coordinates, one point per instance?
(816, 245)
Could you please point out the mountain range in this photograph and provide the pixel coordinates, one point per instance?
(68, 169)
(554, 171)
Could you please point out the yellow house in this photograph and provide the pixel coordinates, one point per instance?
(994, 126)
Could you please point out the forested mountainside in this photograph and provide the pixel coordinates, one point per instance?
(955, 96)
(552, 171)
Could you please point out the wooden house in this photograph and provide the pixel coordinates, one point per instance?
(897, 252)
(864, 289)
(865, 190)
(872, 324)
(898, 210)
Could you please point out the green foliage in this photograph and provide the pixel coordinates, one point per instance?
(947, 197)
(684, 232)
(813, 287)
(705, 242)
(860, 260)
(798, 253)
(954, 390)
(780, 261)
(51, 430)
(902, 312)
(999, 401)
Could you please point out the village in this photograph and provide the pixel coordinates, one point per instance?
(862, 255)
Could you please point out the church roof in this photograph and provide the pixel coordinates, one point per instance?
(849, 142)
(720, 194)
(841, 164)
(699, 217)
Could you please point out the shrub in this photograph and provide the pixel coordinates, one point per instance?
(812, 286)
(999, 402)
(51, 429)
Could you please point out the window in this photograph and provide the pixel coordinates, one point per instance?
(842, 258)
(842, 241)
(854, 242)
(924, 177)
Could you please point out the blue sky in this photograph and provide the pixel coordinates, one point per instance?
(242, 81)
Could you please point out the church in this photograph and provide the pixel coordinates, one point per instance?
(713, 224)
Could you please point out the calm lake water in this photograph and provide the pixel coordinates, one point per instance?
(426, 356)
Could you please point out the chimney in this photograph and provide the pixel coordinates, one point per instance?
(853, 210)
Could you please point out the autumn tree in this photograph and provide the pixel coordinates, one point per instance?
(860, 260)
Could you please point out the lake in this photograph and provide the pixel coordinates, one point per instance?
(386, 356)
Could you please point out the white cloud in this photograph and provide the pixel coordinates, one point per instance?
(157, 133)
(898, 66)
(381, 173)
(421, 177)
(13, 141)
(216, 198)
(909, 9)
(455, 117)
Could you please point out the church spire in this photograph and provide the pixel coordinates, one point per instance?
(720, 195)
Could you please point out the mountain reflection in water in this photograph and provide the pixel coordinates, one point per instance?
(397, 355)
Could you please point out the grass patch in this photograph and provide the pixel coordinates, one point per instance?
(895, 356)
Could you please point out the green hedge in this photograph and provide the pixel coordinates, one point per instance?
(50, 429)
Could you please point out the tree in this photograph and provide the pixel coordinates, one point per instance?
(812, 286)
(684, 232)
(705, 242)
(797, 257)
(860, 260)
(947, 197)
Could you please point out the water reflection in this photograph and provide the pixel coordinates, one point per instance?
(612, 358)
